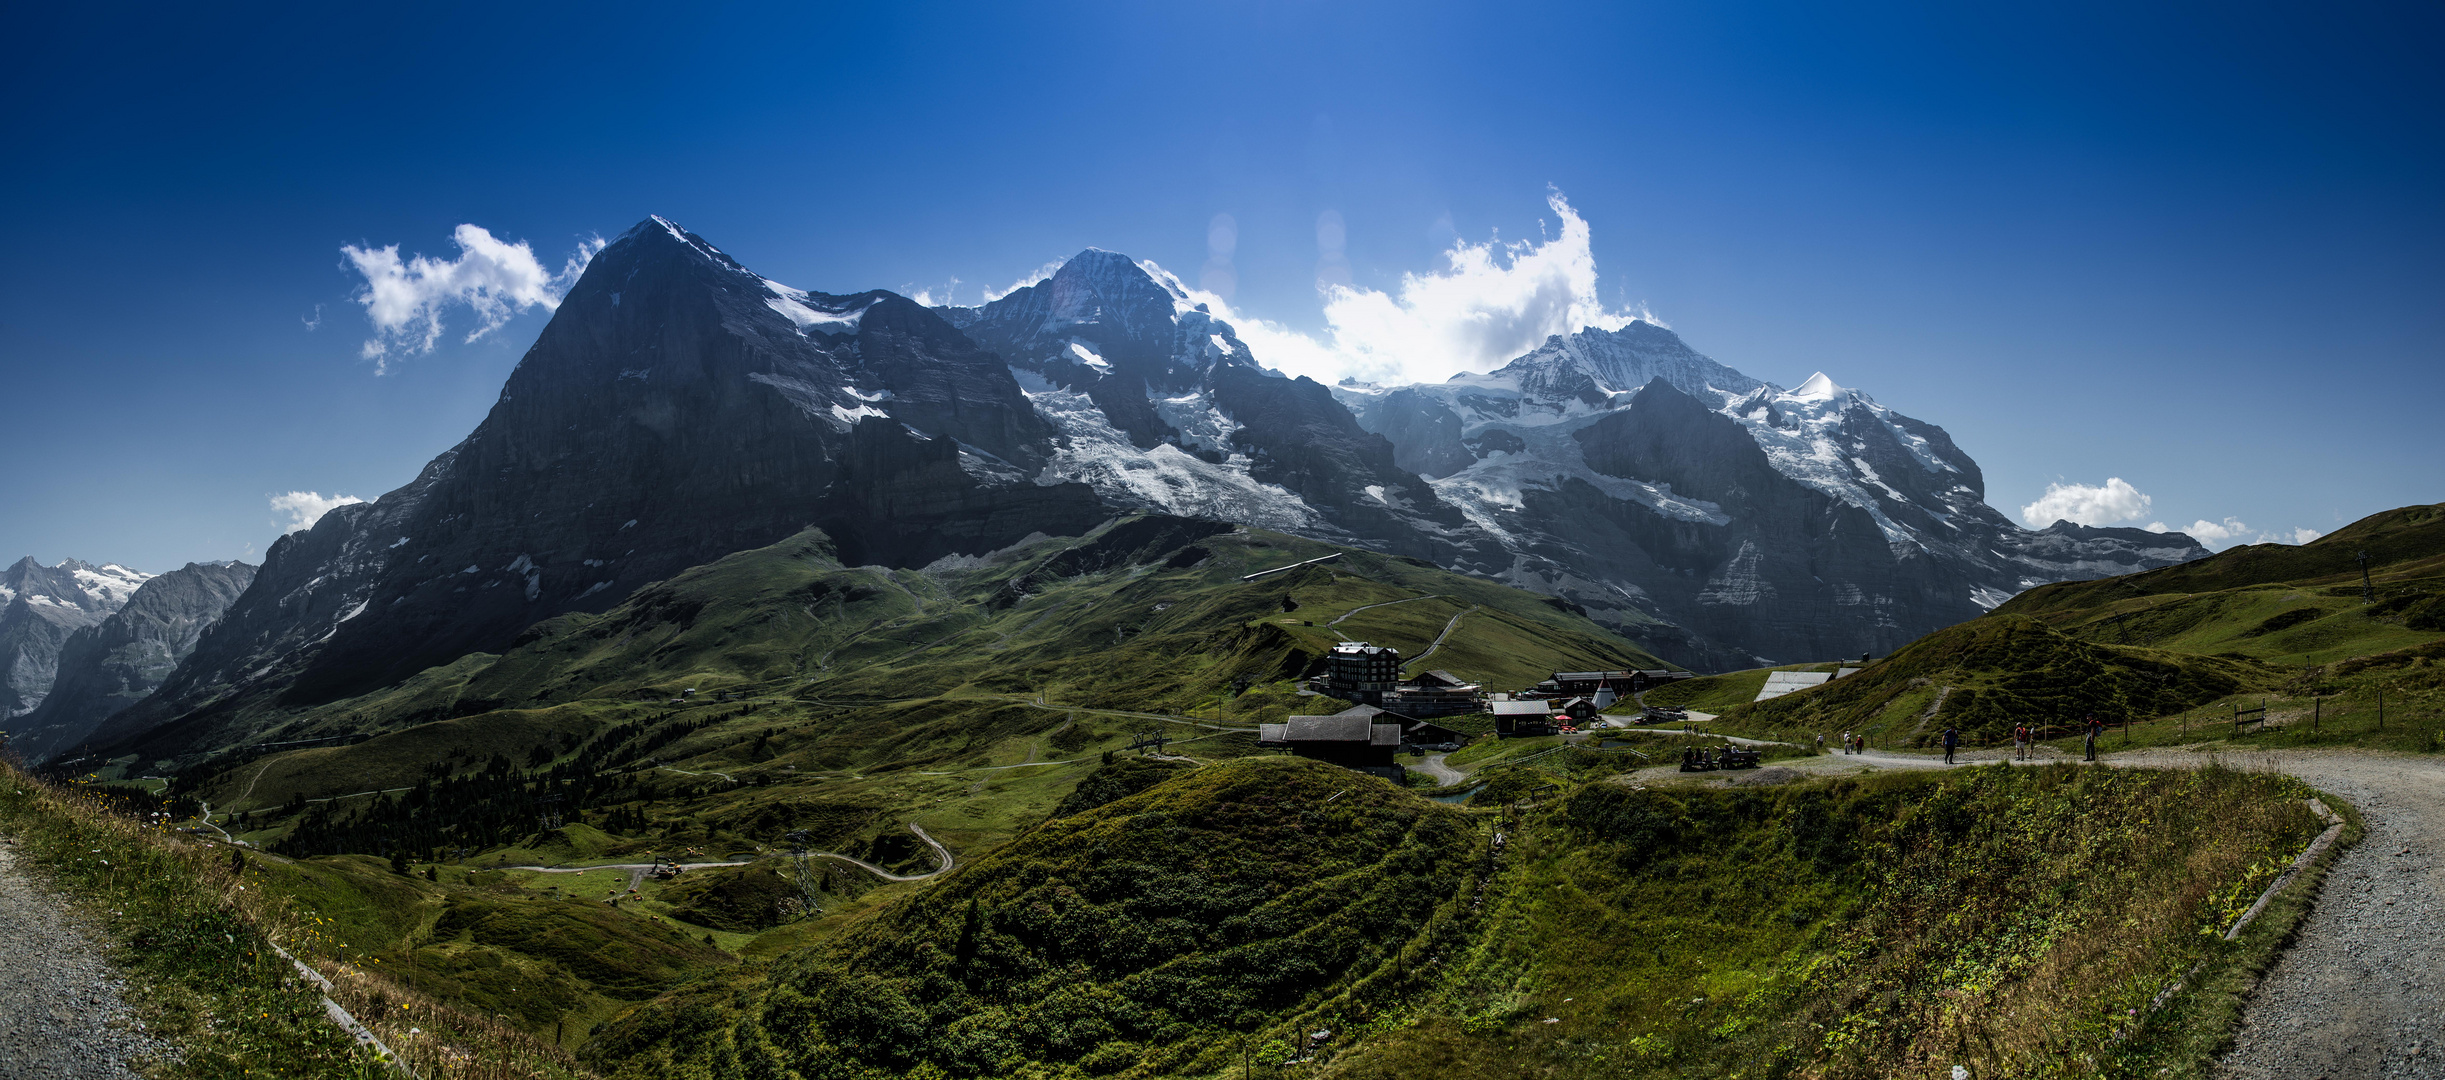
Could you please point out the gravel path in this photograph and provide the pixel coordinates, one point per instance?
(61, 1015)
(1432, 765)
(2361, 991)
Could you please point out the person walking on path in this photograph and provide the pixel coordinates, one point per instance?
(1820, 742)
(2095, 728)
(2020, 742)
(1952, 738)
(1846, 742)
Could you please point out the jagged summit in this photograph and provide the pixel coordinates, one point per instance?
(40, 608)
(1594, 364)
(676, 408)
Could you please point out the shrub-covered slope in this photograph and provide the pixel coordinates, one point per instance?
(1142, 935)
(2292, 628)
(1986, 676)
(2020, 922)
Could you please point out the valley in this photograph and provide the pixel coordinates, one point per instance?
(789, 684)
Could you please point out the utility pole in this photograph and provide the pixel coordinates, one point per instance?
(2368, 592)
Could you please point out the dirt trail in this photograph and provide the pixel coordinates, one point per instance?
(2361, 991)
(61, 1013)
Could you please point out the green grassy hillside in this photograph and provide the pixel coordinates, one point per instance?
(2173, 651)
(850, 704)
(1272, 910)
(1149, 614)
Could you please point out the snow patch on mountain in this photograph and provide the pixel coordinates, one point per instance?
(109, 584)
(1165, 478)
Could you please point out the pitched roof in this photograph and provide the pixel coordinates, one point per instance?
(1350, 726)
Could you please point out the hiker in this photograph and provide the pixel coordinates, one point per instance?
(1952, 738)
(2020, 742)
(1820, 742)
(1846, 742)
(2096, 728)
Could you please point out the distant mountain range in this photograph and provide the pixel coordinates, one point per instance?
(679, 407)
(40, 606)
(115, 663)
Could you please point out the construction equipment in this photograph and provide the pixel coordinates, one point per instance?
(1727, 756)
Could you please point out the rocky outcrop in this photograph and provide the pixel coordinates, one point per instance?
(40, 607)
(109, 666)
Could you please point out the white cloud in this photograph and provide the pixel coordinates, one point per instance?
(405, 299)
(1041, 273)
(2232, 531)
(2086, 504)
(2218, 534)
(304, 508)
(1491, 303)
(927, 297)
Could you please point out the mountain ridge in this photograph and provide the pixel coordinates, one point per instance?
(679, 407)
(40, 608)
(112, 664)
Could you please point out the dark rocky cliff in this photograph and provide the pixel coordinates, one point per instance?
(677, 408)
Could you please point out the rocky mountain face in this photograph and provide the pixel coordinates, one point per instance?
(40, 606)
(1162, 407)
(115, 663)
(1721, 519)
(676, 408)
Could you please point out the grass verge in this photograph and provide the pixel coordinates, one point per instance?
(193, 938)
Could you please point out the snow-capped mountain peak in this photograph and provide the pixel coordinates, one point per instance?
(1817, 388)
(1595, 456)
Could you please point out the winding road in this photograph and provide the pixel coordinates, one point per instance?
(942, 856)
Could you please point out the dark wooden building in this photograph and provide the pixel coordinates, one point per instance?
(1624, 683)
(1435, 693)
(1361, 737)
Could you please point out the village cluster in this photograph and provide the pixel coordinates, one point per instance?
(1393, 714)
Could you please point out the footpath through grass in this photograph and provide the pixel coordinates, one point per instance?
(192, 926)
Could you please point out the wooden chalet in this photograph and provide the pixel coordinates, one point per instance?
(1586, 683)
(1435, 693)
(1522, 717)
(1361, 737)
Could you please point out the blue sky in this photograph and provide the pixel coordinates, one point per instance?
(2196, 249)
